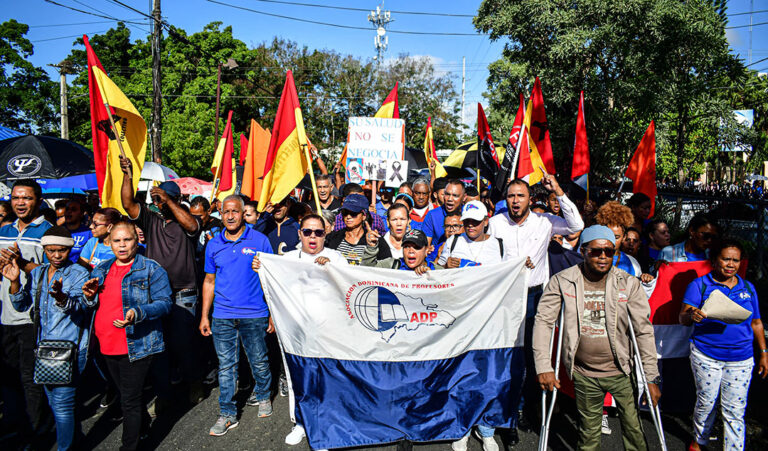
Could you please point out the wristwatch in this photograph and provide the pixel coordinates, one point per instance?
(656, 380)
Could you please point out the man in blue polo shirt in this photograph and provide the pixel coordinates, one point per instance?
(453, 199)
(234, 291)
(20, 241)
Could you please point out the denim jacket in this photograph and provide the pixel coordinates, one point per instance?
(147, 291)
(73, 321)
(675, 253)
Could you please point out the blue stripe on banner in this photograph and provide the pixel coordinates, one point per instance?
(344, 403)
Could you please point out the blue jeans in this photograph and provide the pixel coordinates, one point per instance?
(62, 402)
(251, 332)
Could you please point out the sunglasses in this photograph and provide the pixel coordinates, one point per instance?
(595, 252)
(350, 213)
(308, 232)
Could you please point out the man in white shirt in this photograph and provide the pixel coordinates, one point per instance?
(527, 234)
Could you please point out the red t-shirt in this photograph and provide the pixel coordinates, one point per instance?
(112, 340)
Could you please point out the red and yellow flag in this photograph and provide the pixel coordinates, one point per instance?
(539, 128)
(429, 151)
(286, 163)
(256, 156)
(130, 129)
(390, 108)
(225, 176)
(536, 162)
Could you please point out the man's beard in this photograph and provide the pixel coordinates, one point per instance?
(522, 213)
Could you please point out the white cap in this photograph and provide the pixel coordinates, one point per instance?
(474, 209)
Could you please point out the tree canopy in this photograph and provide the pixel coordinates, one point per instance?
(635, 60)
(331, 87)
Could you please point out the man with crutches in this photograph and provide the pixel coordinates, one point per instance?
(600, 306)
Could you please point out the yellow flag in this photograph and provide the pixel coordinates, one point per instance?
(131, 129)
(536, 161)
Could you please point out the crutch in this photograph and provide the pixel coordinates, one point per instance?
(655, 410)
(546, 415)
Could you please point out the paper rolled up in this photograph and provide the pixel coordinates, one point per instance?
(719, 307)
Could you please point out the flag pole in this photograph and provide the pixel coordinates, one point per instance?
(111, 119)
(513, 174)
(312, 178)
(478, 179)
(216, 176)
(587, 187)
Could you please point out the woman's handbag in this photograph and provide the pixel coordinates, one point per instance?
(54, 359)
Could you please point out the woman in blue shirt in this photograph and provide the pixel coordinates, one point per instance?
(97, 249)
(721, 354)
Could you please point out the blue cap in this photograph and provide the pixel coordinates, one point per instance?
(355, 203)
(171, 189)
(597, 232)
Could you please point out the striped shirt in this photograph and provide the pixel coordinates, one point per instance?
(28, 241)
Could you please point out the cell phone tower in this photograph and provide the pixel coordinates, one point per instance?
(380, 20)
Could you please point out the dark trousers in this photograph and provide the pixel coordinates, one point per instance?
(129, 378)
(19, 355)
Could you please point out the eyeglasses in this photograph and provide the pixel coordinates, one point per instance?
(595, 252)
(96, 224)
(453, 226)
(308, 232)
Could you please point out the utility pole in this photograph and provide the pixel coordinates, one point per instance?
(751, 13)
(230, 64)
(463, 84)
(380, 20)
(157, 98)
(65, 67)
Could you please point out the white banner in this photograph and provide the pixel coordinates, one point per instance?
(374, 314)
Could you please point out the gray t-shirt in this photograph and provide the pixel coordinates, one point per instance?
(593, 356)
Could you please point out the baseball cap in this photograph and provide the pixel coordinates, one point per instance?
(171, 189)
(475, 210)
(597, 232)
(355, 203)
(416, 237)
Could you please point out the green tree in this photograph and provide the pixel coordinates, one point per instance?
(636, 60)
(331, 86)
(28, 97)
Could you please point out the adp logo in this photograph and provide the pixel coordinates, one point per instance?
(380, 310)
(24, 165)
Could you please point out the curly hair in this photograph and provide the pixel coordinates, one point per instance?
(614, 214)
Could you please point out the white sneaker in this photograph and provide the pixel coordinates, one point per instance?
(296, 435)
(489, 443)
(605, 428)
(461, 444)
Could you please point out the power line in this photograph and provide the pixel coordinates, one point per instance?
(84, 12)
(748, 12)
(66, 37)
(348, 27)
(81, 23)
(758, 61)
(346, 8)
(746, 26)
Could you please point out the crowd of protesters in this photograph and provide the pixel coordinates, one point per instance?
(168, 296)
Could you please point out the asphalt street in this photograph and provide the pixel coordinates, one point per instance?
(187, 429)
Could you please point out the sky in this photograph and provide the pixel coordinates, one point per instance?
(53, 29)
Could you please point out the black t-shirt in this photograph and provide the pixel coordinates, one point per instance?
(171, 246)
(334, 205)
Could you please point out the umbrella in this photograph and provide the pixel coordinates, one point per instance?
(191, 185)
(76, 183)
(46, 157)
(157, 172)
(756, 177)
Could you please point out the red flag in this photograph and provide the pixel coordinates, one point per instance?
(580, 166)
(243, 148)
(642, 167)
(540, 128)
(485, 158)
(100, 125)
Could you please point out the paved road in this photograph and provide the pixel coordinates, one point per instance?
(189, 430)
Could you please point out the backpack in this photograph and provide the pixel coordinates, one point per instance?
(501, 245)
